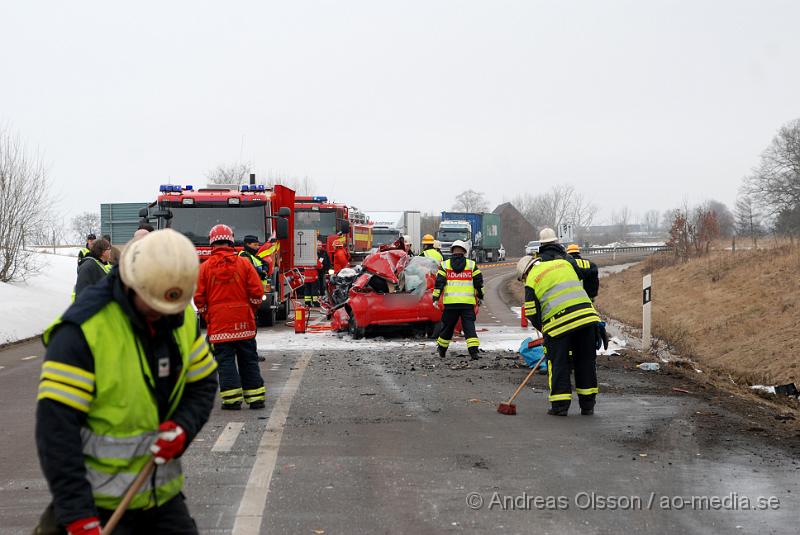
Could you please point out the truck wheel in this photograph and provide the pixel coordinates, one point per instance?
(282, 312)
(266, 314)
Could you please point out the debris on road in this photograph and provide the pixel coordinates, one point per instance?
(681, 390)
(649, 366)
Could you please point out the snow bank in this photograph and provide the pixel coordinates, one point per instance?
(27, 308)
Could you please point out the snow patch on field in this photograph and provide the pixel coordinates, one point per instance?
(492, 339)
(27, 308)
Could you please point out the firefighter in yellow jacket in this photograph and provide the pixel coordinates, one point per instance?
(459, 284)
(429, 250)
(127, 378)
(558, 306)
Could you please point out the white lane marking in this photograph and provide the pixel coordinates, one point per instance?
(30, 358)
(227, 438)
(254, 501)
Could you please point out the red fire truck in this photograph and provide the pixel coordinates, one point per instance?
(247, 209)
(317, 220)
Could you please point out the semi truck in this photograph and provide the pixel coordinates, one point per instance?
(248, 209)
(388, 226)
(481, 232)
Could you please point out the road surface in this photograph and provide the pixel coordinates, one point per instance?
(381, 436)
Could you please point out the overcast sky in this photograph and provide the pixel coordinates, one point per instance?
(403, 104)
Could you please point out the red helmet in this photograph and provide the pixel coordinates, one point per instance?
(220, 233)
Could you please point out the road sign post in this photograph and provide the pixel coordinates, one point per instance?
(647, 296)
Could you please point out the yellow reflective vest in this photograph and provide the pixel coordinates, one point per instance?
(460, 288)
(121, 412)
(434, 254)
(555, 293)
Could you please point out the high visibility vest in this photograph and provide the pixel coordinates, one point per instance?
(565, 304)
(258, 264)
(584, 264)
(82, 253)
(105, 267)
(121, 411)
(433, 253)
(459, 289)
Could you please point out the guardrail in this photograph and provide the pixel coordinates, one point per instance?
(625, 249)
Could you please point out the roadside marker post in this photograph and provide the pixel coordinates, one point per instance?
(647, 296)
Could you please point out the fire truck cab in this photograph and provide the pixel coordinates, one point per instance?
(248, 209)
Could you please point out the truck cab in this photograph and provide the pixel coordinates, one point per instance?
(450, 231)
(247, 209)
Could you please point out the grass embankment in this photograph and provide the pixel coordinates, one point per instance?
(736, 314)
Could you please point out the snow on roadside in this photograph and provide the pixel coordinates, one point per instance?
(27, 308)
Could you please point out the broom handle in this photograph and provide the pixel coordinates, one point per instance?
(530, 374)
(128, 498)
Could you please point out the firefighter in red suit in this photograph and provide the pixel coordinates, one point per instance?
(229, 292)
(341, 258)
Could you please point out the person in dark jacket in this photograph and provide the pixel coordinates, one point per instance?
(94, 267)
(459, 284)
(591, 277)
(125, 360)
(86, 249)
(323, 266)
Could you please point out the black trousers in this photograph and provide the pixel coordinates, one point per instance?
(450, 317)
(242, 382)
(572, 350)
(172, 518)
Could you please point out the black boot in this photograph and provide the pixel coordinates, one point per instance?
(232, 406)
(558, 409)
(442, 351)
(257, 404)
(587, 412)
(473, 353)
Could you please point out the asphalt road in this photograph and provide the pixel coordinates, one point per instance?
(381, 436)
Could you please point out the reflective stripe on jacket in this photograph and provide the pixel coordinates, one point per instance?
(556, 296)
(459, 288)
(122, 415)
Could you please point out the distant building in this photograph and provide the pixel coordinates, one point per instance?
(120, 220)
(517, 231)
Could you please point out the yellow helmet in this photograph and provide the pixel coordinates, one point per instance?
(573, 248)
(427, 239)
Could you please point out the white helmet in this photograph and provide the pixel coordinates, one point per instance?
(437, 244)
(459, 243)
(548, 235)
(162, 269)
(524, 265)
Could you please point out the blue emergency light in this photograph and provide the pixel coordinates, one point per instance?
(320, 198)
(244, 187)
(163, 187)
(189, 187)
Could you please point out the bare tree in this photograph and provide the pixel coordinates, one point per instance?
(775, 183)
(561, 204)
(621, 220)
(748, 218)
(24, 205)
(84, 224)
(232, 173)
(470, 201)
(651, 220)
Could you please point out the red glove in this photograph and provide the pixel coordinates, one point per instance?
(85, 526)
(170, 442)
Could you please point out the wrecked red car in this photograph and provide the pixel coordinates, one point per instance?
(391, 289)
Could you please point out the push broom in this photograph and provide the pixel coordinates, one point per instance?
(508, 408)
(128, 498)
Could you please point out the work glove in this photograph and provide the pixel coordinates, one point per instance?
(85, 526)
(169, 443)
(601, 336)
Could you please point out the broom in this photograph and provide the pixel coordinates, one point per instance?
(508, 408)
